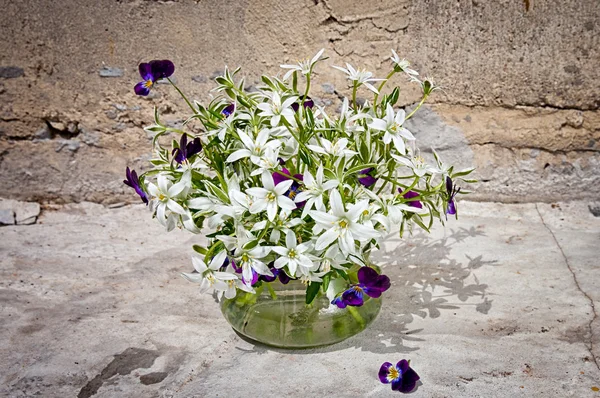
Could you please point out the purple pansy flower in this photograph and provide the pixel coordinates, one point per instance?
(228, 110)
(409, 195)
(277, 274)
(134, 182)
(308, 103)
(401, 375)
(151, 72)
(186, 150)
(294, 188)
(452, 191)
(369, 282)
(367, 179)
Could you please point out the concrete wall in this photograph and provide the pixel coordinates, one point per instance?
(521, 99)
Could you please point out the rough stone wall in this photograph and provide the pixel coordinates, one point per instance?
(521, 99)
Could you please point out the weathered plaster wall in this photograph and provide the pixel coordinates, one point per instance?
(521, 99)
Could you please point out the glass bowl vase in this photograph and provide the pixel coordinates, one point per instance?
(277, 315)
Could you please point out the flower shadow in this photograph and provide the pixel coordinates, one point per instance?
(427, 281)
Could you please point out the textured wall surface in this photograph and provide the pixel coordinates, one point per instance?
(521, 99)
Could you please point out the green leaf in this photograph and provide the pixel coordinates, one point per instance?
(267, 81)
(157, 162)
(156, 119)
(364, 151)
(218, 192)
(243, 102)
(295, 81)
(326, 280)
(417, 219)
(340, 168)
(394, 96)
(360, 167)
(463, 173)
(311, 291)
(200, 249)
(155, 129)
(251, 245)
(223, 81)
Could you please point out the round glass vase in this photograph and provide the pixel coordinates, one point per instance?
(277, 315)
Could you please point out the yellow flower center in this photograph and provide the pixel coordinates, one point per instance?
(343, 224)
(148, 84)
(245, 258)
(366, 213)
(271, 197)
(393, 373)
(161, 197)
(292, 253)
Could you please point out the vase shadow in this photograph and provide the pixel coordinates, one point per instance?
(427, 283)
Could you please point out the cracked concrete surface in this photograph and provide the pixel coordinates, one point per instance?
(499, 303)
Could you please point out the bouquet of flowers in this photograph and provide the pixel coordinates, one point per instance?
(289, 190)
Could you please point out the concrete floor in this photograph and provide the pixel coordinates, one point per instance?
(498, 304)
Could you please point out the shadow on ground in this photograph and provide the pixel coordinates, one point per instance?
(426, 281)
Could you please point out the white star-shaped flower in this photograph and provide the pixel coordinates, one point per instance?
(254, 149)
(361, 76)
(293, 255)
(392, 125)
(341, 225)
(276, 109)
(164, 199)
(271, 197)
(305, 67)
(336, 150)
(403, 65)
(209, 275)
(313, 190)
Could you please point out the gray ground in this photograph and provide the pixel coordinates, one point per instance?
(497, 304)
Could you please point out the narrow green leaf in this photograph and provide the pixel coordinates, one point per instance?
(311, 291)
(360, 167)
(200, 249)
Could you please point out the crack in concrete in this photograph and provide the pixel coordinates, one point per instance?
(589, 345)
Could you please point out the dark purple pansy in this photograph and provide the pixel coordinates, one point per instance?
(134, 182)
(277, 274)
(186, 149)
(365, 177)
(452, 191)
(369, 282)
(409, 195)
(401, 375)
(228, 110)
(308, 103)
(151, 72)
(295, 188)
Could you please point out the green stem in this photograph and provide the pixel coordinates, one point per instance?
(357, 317)
(417, 108)
(354, 105)
(385, 182)
(306, 91)
(264, 231)
(182, 95)
(380, 88)
(271, 291)
(287, 176)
